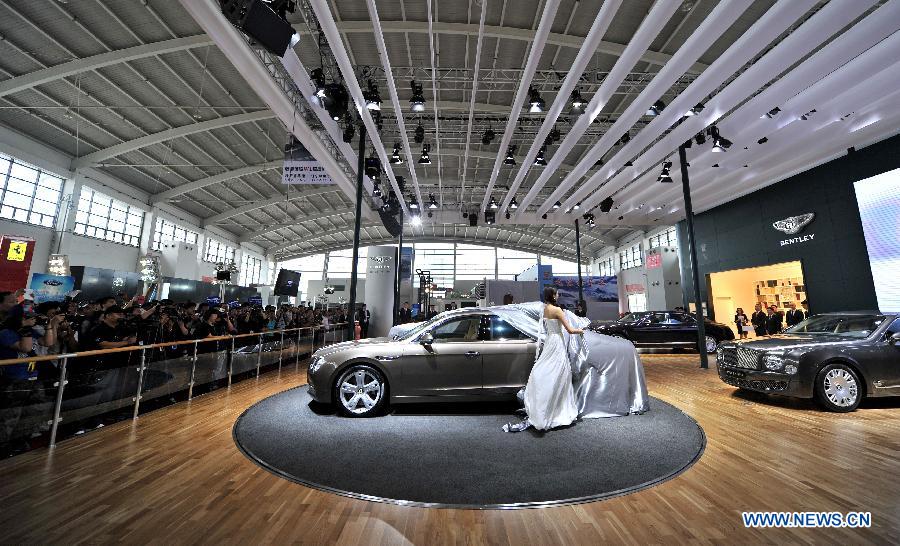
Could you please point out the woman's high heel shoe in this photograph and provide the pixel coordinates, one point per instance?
(518, 427)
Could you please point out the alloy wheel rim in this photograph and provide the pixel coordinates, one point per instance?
(360, 391)
(840, 387)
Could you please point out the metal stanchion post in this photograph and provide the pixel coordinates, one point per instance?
(231, 361)
(57, 407)
(259, 355)
(280, 350)
(297, 348)
(140, 386)
(193, 370)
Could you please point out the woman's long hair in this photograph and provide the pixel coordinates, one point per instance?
(551, 295)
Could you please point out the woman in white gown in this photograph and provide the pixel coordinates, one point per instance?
(549, 393)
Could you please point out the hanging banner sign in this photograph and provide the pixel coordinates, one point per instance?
(300, 167)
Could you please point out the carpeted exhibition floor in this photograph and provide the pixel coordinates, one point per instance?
(456, 454)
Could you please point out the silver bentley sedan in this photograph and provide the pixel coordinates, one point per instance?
(463, 355)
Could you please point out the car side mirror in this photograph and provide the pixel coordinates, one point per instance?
(426, 339)
(895, 338)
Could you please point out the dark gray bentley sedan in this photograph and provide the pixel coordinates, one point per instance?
(464, 355)
(836, 358)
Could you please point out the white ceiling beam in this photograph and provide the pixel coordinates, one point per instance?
(330, 213)
(234, 46)
(395, 99)
(717, 23)
(650, 27)
(329, 27)
(817, 29)
(573, 76)
(478, 43)
(254, 205)
(169, 134)
(214, 179)
(534, 58)
(435, 97)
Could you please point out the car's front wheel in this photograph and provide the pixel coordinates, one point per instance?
(838, 388)
(360, 391)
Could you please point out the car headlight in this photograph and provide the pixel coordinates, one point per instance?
(773, 362)
(316, 363)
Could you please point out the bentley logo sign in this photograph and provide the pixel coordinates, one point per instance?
(794, 224)
(381, 259)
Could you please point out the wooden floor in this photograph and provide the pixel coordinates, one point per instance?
(175, 476)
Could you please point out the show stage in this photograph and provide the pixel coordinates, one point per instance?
(456, 455)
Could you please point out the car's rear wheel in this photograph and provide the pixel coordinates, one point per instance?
(360, 391)
(838, 388)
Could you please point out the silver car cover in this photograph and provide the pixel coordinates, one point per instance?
(606, 371)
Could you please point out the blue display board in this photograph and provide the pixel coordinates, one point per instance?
(50, 287)
(596, 288)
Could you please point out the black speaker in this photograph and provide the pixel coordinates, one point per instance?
(606, 204)
(473, 220)
(260, 23)
(223, 275)
(390, 223)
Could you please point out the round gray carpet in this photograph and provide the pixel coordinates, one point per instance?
(455, 455)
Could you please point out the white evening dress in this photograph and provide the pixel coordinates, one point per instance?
(549, 394)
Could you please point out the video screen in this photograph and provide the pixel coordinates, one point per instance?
(879, 209)
(288, 283)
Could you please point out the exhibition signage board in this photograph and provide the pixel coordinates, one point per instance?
(15, 261)
(50, 287)
(596, 288)
(300, 167)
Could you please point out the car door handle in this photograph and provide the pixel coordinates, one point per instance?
(472, 354)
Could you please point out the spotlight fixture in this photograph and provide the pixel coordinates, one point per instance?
(539, 160)
(544, 216)
(318, 79)
(805, 116)
(425, 159)
(376, 190)
(771, 113)
(700, 138)
(626, 138)
(508, 215)
(372, 166)
(510, 155)
(578, 103)
(493, 204)
(489, 217)
(416, 220)
(417, 102)
(695, 110)
(513, 205)
(553, 136)
(372, 98)
(715, 166)
(598, 163)
(606, 204)
(664, 175)
(656, 108)
(420, 134)
(396, 159)
(763, 140)
(335, 100)
(629, 163)
(432, 204)
(556, 205)
(487, 137)
(720, 143)
(413, 204)
(536, 103)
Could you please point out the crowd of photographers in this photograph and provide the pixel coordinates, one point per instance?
(111, 322)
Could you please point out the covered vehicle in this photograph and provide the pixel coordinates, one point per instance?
(473, 354)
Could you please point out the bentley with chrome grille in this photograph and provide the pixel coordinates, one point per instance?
(836, 358)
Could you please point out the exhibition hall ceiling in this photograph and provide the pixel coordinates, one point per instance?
(165, 96)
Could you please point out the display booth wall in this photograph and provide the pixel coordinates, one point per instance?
(832, 248)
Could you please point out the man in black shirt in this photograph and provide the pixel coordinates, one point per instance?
(405, 313)
(364, 316)
(794, 316)
(109, 333)
(774, 324)
(758, 319)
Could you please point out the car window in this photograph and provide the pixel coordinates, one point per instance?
(502, 330)
(856, 326)
(656, 318)
(631, 317)
(894, 328)
(682, 318)
(459, 330)
(673, 318)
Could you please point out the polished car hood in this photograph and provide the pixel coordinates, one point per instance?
(786, 342)
(346, 345)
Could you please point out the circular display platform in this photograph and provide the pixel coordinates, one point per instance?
(456, 455)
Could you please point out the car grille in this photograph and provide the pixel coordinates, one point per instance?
(740, 357)
(756, 384)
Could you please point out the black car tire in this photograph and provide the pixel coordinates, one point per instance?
(364, 381)
(838, 388)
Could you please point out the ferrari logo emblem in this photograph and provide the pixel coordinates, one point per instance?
(17, 250)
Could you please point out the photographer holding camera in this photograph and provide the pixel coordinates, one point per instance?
(110, 332)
